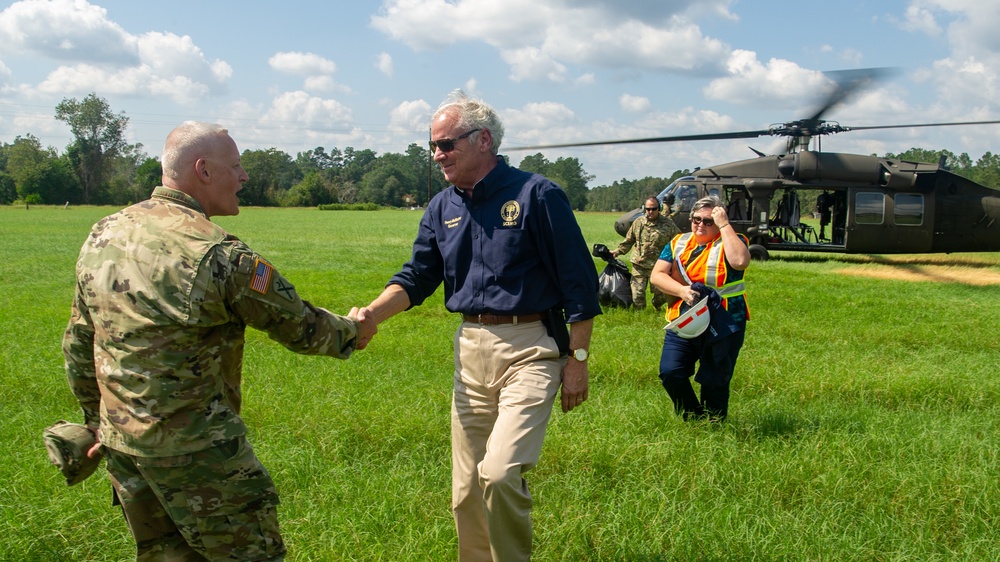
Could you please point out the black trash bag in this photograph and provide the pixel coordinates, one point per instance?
(613, 287)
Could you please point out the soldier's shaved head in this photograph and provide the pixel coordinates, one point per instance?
(203, 161)
(188, 142)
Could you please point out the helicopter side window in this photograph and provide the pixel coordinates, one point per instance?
(869, 208)
(738, 208)
(908, 209)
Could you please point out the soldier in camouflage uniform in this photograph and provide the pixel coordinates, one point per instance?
(646, 237)
(154, 354)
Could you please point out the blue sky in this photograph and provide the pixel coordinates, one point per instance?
(297, 75)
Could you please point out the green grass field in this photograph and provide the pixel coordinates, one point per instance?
(864, 423)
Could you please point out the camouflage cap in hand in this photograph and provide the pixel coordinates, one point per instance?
(67, 444)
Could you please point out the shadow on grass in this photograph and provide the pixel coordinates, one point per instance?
(783, 425)
(900, 260)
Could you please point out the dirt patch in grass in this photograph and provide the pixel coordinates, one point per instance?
(931, 273)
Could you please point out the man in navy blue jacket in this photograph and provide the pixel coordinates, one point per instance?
(513, 261)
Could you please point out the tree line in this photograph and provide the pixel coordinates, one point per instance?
(99, 167)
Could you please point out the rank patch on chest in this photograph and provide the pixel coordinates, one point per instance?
(261, 280)
(510, 211)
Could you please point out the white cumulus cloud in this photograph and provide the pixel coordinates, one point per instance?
(410, 116)
(545, 39)
(754, 83)
(383, 62)
(96, 54)
(634, 104)
(308, 64)
(66, 30)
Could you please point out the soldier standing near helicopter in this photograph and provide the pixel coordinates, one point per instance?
(646, 237)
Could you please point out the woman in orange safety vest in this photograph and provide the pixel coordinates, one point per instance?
(715, 255)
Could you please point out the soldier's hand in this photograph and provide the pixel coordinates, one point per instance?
(369, 327)
(96, 449)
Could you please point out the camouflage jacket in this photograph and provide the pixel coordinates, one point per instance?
(647, 238)
(154, 346)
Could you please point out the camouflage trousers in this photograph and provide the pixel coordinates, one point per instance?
(216, 504)
(640, 279)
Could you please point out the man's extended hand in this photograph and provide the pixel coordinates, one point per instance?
(575, 382)
(368, 326)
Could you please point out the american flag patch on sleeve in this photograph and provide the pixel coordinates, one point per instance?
(261, 280)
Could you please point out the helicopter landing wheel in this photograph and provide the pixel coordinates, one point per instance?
(759, 253)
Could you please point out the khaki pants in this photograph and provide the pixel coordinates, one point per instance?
(506, 380)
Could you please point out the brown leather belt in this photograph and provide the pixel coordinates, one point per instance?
(494, 319)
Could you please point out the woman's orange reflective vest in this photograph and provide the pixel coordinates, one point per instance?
(708, 265)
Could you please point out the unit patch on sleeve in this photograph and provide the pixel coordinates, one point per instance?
(261, 280)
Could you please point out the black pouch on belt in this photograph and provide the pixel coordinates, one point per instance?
(555, 324)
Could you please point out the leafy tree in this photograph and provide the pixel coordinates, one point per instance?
(987, 170)
(627, 194)
(122, 185)
(272, 173)
(314, 160)
(390, 179)
(355, 164)
(8, 189)
(311, 191)
(536, 163)
(568, 173)
(148, 175)
(99, 139)
(430, 180)
(37, 171)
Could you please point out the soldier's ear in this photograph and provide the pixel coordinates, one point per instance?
(201, 170)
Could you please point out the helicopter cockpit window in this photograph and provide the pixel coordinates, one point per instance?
(908, 209)
(685, 198)
(869, 208)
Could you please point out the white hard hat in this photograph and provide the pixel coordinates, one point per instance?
(692, 323)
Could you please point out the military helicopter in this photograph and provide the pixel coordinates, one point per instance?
(872, 205)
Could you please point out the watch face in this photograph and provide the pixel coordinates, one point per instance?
(580, 354)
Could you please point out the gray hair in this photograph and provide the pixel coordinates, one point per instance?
(185, 142)
(710, 202)
(473, 113)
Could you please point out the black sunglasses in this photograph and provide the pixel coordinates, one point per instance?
(447, 145)
(699, 220)
(651, 209)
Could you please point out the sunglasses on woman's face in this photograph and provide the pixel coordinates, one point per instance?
(704, 221)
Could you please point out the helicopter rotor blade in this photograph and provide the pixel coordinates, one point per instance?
(874, 127)
(680, 138)
(847, 82)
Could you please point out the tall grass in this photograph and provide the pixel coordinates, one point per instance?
(863, 425)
